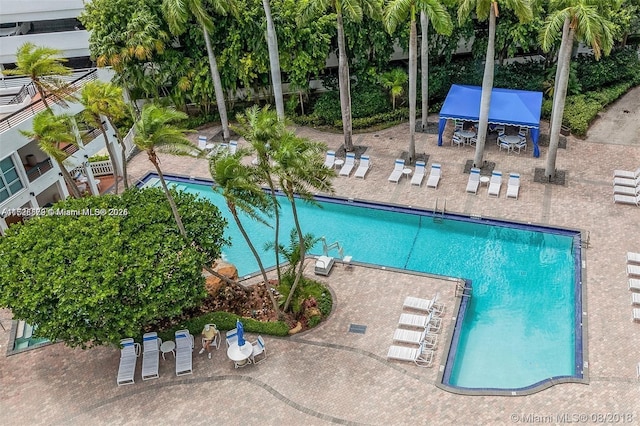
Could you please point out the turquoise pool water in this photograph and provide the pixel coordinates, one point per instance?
(519, 326)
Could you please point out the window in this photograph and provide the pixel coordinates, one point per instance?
(10, 182)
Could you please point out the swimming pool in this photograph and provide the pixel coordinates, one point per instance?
(522, 324)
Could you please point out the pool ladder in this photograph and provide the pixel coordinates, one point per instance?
(461, 288)
(438, 215)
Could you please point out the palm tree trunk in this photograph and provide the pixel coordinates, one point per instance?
(42, 95)
(217, 87)
(303, 249)
(559, 95)
(565, 35)
(272, 189)
(424, 67)
(172, 203)
(345, 85)
(234, 213)
(67, 178)
(112, 155)
(123, 151)
(274, 60)
(487, 86)
(413, 76)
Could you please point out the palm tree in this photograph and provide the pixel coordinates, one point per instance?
(51, 132)
(274, 60)
(155, 131)
(424, 68)
(178, 13)
(396, 12)
(394, 81)
(262, 129)
(575, 19)
(105, 99)
(238, 184)
(352, 9)
(488, 9)
(300, 169)
(44, 67)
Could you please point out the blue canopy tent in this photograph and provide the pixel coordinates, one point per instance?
(508, 107)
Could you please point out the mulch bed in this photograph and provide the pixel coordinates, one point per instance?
(485, 170)
(558, 179)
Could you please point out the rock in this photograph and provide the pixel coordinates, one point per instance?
(213, 284)
(296, 329)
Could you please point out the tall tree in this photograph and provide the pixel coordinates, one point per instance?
(102, 99)
(53, 133)
(488, 9)
(575, 20)
(238, 184)
(398, 11)
(353, 10)
(300, 170)
(274, 60)
(178, 13)
(44, 66)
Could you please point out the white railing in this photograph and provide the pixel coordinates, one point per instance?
(98, 168)
(128, 142)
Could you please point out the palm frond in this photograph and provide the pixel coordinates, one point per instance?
(395, 13)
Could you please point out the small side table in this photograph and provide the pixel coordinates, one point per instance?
(484, 180)
(407, 172)
(338, 163)
(168, 346)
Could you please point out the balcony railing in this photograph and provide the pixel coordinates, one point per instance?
(39, 169)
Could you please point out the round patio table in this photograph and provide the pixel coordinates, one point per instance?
(240, 354)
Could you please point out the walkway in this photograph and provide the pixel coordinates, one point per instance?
(329, 375)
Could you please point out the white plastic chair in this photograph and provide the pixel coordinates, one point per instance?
(258, 349)
(232, 337)
(474, 180)
(363, 167)
(456, 139)
(420, 356)
(434, 176)
(495, 184)
(184, 352)
(349, 163)
(216, 339)
(418, 174)
(330, 159)
(396, 174)
(513, 186)
(150, 355)
(129, 353)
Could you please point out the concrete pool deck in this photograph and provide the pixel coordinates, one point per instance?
(329, 375)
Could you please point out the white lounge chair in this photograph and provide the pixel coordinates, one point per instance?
(425, 305)
(420, 356)
(202, 142)
(258, 349)
(513, 185)
(627, 174)
(634, 284)
(233, 147)
(349, 163)
(434, 176)
(495, 183)
(418, 174)
(474, 180)
(150, 355)
(633, 257)
(129, 353)
(330, 159)
(427, 322)
(412, 337)
(635, 298)
(363, 167)
(396, 174)
(626, 182)
(633, 270)
(636, 314)
(184, 352)
(626, 190)
(626, 199)
(324, 265)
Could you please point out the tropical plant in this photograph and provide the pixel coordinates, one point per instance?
(354, 10)
(488, 9)
(178, 13)
(300, 169)
(394, 81)
(238, 184)
(398, 11)
(44, 66)
(53, 133)
(90, 279)
(574, 19)
(291, 252)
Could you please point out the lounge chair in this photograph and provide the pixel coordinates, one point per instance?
(129, 353)
(513, 186)
(636, 314)
(425, 305)
(633, 257)
(627, 174)
(412, 337)
(428, 322)
(635, 298)
(626, 190)
(626, 182)
(258, 349)
(324, 265)
(434, 176)
(626, 199)
(633, 270)
(231, 337)
(474, 180)
(349, 162)
(634, 284)
(184, 352)
(418, 174)
(363, 167)
(396, 174)
(330, 159)
(233, 147)
(150, 355)
(421, 356)
(495, 183)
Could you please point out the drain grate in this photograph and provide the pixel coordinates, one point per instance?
(355, 328)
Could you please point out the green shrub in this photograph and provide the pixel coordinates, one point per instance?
(400, 114)
(367, 101)
(327, 107)
(96, 158)
(620, 65)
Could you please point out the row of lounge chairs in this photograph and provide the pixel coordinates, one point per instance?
(418, 174)
(425, 337)
(626, 187)
(151, 343)
(495, 183)
(633, 271)
(349, 164)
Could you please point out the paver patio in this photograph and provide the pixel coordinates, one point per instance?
(330, 375)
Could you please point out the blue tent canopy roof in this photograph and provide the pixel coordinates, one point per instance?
(510, 107)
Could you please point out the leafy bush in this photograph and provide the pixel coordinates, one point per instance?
(96, 158)
(327, 107)
(621, 65)
(397, 115)
(367, 101)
